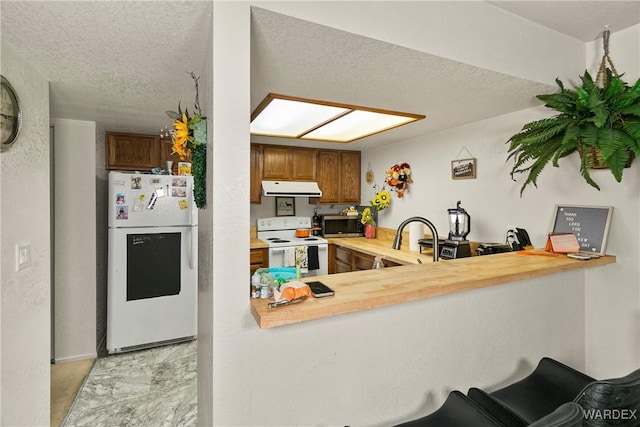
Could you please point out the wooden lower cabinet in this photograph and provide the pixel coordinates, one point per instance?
(343, 260)
(258, 258)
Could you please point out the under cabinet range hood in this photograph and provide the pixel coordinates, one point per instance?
(291, 188)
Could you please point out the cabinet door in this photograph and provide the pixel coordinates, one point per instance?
(132, 151)
(256, 175)
(362, 261)
(259, 258)
(343, 255)
(166, 153)
(304, 164)
(276, 163)
(342, 267)
(328, 176)
(350, 177)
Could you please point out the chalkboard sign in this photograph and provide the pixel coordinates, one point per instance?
(589, 223)
(153, 265)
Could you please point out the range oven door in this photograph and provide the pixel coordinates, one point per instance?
(151, 286)
(276, 259)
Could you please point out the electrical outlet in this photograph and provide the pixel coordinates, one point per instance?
(23, 256)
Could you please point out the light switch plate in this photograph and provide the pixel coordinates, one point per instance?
(23, 256)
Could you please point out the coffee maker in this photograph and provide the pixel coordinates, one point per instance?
(456, 245)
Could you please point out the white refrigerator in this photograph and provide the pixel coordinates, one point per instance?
(152, 279)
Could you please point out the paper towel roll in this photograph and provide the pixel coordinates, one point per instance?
(416, 231)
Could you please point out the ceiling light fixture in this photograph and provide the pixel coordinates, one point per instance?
(292, 117)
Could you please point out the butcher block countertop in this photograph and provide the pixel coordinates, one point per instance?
(368, 289)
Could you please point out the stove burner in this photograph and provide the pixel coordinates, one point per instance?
(276, 240)
(273, 238)
(310, 238)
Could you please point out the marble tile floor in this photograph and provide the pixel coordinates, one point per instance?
(146, 388)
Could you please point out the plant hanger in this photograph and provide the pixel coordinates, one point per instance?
(601, 79)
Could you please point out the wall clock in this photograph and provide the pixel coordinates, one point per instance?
(10, 114)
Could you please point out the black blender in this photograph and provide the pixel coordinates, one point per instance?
(456, 246)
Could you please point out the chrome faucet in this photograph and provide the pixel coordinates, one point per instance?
(397, 242)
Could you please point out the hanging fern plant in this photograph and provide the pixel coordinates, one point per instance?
(601, 123)
(600, 120)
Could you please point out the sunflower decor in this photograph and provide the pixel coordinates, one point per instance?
(189, 135)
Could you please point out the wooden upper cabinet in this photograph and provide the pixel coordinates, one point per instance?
(328, 177)
(132, 151)
(276, 163)
(288, 163)
(339, 176)
(350, 176)
(256, 175)
(336, 171)
(304, 164)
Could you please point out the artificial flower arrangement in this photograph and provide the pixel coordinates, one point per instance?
(185, 132)
(399, 178)
(189, 135)
(380, 201)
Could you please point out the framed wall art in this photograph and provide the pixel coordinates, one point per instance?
(463, 168)
(285, 206)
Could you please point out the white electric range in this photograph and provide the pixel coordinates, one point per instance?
(280, 234)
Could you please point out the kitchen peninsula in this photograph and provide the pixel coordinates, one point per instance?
(412, 281)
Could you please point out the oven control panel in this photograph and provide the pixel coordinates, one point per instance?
(283, 223)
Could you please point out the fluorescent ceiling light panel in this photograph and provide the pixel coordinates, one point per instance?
(291, 117)
(355, 125)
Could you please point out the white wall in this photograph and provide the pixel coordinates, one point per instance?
(613, 300)
(75, 239)
(612, 308)
(471, 32)
(205, 247)
(24, 219)
(483, 338)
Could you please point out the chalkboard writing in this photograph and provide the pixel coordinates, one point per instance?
(590, 224)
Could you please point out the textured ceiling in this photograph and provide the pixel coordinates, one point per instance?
(123, 64)
(380, 75)
(578, 19)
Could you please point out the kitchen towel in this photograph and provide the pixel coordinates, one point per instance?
(289, 257)
(312, 258)
(416, 232)
(301, 259)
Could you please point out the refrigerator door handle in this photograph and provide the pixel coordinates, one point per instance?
(192, 247)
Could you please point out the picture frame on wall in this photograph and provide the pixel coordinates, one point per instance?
(285, 206)
(463, 168)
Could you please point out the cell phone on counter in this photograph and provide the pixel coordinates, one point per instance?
(319, 289)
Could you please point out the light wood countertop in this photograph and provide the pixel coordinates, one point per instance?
(363, 290)
(255, 243)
